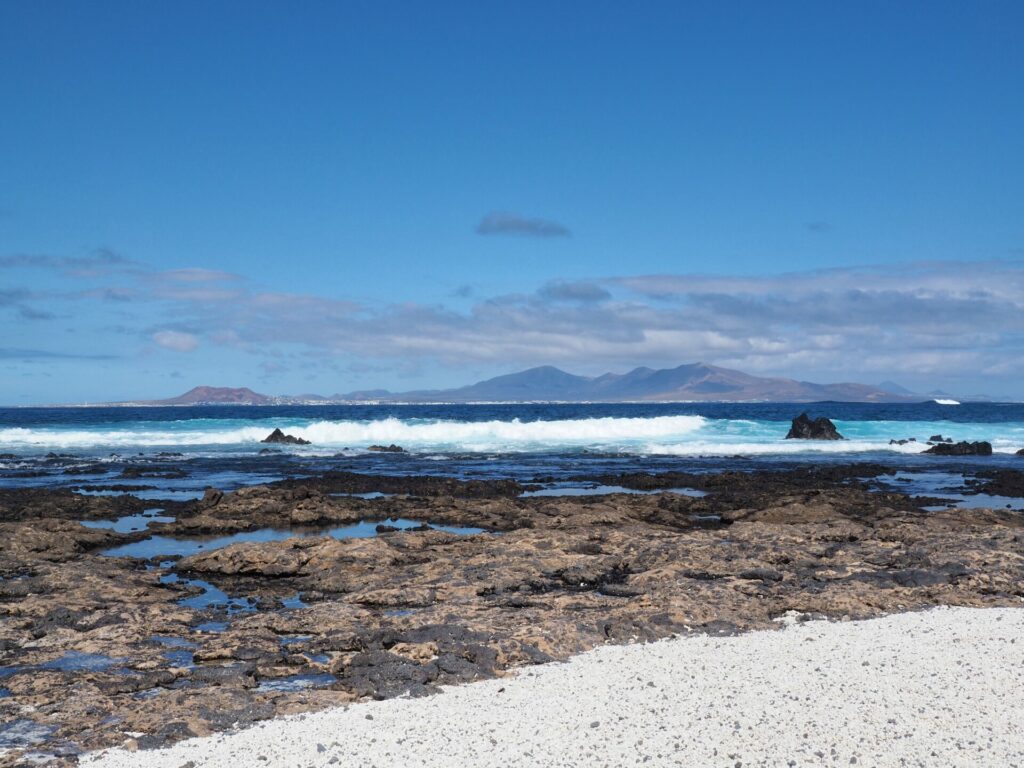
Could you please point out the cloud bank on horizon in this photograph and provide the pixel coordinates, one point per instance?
(924, 321)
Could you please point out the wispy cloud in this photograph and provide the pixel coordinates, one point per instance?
(13, 296)
(866, 323)
(504, 223)
(31, 313)
(998, 278)
(176, 340)
(98, 263)
(579, 290)
(197, 275)
(16, 298)
(925, 318)
(9, 353)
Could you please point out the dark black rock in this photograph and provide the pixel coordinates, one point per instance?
(134, 473)
(946, 573)
(168, 734)
(384, 675)
(277, 436)
(90, 469)
(386, 448)
(239, 673)
(904, 441)
(620, 590)
(761, 574)
(940, 439)
(804, 428)
(963, 448)
(1020, 452)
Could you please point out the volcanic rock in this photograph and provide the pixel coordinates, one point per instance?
(404, 614)
(805, 428)
(386, 448)
(277, 436)
(940, 439)
(963, 448)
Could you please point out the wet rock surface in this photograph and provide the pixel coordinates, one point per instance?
(279, 437)
(806, 428)
(963, 448)
(98, 651)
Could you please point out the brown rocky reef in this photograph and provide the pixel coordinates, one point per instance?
(96, 650)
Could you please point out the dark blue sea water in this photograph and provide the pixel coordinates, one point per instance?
(219, 445)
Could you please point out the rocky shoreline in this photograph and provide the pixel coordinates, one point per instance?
(337, 597)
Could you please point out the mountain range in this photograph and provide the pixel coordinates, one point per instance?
(691, 382)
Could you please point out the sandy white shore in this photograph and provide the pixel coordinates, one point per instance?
(939, 688)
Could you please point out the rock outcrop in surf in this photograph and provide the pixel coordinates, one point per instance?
(806, 428)
(279, 437)
(963, 448)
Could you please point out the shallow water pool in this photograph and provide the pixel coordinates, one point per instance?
(564, 489)
(130, 523)
(165, 546)
(296, 683)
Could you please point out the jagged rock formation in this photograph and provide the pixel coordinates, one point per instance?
(279, 437)
(805, 428)
(963, 448)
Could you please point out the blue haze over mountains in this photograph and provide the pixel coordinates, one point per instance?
(689, 382)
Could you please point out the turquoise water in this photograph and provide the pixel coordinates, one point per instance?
(667, 435)
(674, 429)
(174, 453)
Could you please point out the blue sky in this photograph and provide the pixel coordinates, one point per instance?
(321, 197)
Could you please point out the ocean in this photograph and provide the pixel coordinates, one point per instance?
(177, 452)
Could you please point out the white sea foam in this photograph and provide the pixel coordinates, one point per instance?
(461, 435)
(664, 435)
(708, 448)
(488, 435)
(19, 437)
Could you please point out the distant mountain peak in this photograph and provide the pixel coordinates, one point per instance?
(894, 388)
(206, 395)
(698, 381)
(689, 382)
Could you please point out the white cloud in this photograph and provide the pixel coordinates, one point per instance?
(869, 322)
(197, 275)
(176, 340)
(930, 319)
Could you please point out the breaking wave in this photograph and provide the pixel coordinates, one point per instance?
(416, 434)
(687, 435)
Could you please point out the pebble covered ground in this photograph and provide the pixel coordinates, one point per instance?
(943, 687)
